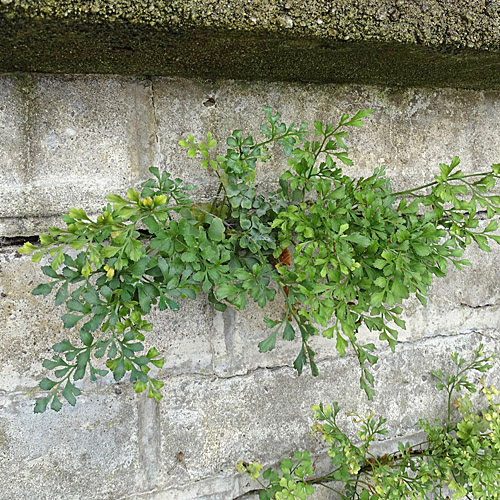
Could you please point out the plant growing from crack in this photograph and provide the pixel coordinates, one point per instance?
(340, 252)
(464, 457)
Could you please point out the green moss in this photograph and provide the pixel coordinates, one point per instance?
(362, 41)
(459, 23)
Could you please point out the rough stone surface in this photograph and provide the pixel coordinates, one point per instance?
(186, 337)
(74, 139)
(11, 135)
(469, 25)
(386, 42)
(70, 454)
(465, 301)
(224, 401)
(410, 131)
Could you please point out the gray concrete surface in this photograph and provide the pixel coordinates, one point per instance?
(224, 401)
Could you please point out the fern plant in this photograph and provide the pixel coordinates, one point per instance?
(340, 252)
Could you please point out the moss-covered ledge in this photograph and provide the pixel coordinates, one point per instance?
(440, 43)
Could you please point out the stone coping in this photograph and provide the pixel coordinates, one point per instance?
(436, 43)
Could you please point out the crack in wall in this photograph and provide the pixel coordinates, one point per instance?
(489, 333)
(213, 376)
(156, 122)
(149, 442)
(18, 241)
(481, 306)
(384, 351)
(183, 488)
(247, 494)
(150, 410)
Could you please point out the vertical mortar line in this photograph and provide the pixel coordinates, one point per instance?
(223, 324)
(229, 318)
(215, 329)
(221, 340)
(142, 129)
(149, 442)
(149, 428)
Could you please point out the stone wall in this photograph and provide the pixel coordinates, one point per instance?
(68, 141)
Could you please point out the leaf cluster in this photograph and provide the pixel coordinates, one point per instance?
(462, 457)
(289, 483)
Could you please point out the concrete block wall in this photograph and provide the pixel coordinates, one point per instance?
(68, 141)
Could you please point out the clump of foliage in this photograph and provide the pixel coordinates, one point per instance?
(464, 457)
(340, 252)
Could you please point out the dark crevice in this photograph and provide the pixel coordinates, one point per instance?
(480, 306)
(18, 241)
(482, 214)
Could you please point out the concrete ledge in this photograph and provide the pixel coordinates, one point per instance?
(438, 43)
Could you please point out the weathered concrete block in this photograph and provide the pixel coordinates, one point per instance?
(237, 335)
(90, 451)
(185, 337)
(70, 141)
(466, 300)
(410, 131)
(198, 339)
(79, 137)
(214, 419)
(12, 139)
(30, 324)
(224, 401)
(215, 422)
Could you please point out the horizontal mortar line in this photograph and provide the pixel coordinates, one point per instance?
(193, 375)
(405, 344)
(145, 494)
(349, 355)
(17, 397)
(485, 332)
(483, 214)
(409, 344)
(20, 240)
(321, 454)
(424, 339)
(215, 376)
(393, 439)
(4, 393)
(247, 494)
